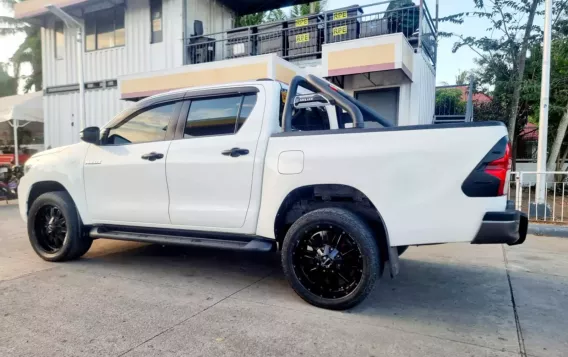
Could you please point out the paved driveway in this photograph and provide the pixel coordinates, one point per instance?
(126, 299)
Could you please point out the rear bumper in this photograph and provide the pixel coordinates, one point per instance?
(508, 227)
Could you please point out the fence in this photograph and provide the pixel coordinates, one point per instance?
(523, 193)
(302, 38)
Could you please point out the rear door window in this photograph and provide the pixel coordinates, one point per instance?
(218, 116)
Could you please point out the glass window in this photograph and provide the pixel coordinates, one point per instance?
(59, 40)
(119, 32)
(90, 33)
(104, 29)
(148, 126)
(310, 119)
(218, 116)
(248, 105)
(156, 20)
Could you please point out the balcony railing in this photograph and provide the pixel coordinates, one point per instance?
(302, 38)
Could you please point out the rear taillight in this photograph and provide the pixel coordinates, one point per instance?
(490, 178)
(501, 169)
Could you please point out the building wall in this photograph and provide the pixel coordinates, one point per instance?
(62, 125)
(138, 55)
(423, 91)
(215, 16)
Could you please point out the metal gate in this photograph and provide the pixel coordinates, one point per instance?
(523, 193)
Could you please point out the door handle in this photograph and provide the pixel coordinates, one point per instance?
(153, 156)
(235, 152)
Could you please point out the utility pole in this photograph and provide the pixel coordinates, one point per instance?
(71, 23)
(544, 104)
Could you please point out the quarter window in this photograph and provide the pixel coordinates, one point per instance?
(104, 29)
(218, 116)
(148, 126)
(59, 40)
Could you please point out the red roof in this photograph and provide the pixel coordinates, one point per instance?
(477, 97)
(530, 132)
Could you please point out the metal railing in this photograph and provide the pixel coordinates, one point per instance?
(523, 193)
(302, 38)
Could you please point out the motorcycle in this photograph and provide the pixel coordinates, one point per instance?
(9, 180)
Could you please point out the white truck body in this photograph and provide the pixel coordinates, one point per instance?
(413, 176)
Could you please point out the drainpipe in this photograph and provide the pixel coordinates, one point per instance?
(71, 23)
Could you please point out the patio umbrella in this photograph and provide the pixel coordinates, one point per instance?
(18, 111)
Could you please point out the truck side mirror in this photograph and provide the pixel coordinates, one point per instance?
(91, 135)
(198, 28)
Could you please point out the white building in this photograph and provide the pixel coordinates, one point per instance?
(135, 48)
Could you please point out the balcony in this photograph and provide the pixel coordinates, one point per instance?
(301, 39)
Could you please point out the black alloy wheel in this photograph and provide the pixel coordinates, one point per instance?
(55, 229)
(331, 258)
(50, 228)
(328, 262)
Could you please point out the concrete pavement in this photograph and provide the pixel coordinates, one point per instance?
(127, 299)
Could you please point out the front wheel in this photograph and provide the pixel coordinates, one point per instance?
(54, 228)
(331, 258)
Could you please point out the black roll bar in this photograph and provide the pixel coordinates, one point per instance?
(367, 111)
(318, 85)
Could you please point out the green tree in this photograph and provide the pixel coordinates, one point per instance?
(506, 43)
(8, 84)
(449, 101)
(307, 9)
(276, 15)
(250, 20)
(29, 51)
(462, 78)
(558, 109)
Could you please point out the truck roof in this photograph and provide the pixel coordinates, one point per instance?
(217, 86)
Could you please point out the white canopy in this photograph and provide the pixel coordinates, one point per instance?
(17, 111)
(27, 107)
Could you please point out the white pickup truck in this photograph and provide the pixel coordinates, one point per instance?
(304, 169)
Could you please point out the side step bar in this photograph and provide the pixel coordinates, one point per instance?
(246, 243)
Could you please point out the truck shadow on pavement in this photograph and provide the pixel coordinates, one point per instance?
(423, 287)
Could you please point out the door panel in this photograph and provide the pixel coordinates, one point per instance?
(209, 185)
(125, 177)
(123, 187)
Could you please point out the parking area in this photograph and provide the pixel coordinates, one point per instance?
(127, 299)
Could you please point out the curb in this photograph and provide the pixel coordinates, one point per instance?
(548, 230)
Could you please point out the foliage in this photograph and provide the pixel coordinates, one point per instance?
(502, 48)
(250, 19)
(558, 107)
(462, 78)
(306, 9)
(28, 52)
(8, 84)
(449, 101)
(276, 15)
(260, 18)
(407, 20)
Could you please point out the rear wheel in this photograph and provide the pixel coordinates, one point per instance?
(331, 258)
(54, 228)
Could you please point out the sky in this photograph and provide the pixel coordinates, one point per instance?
(449, 64)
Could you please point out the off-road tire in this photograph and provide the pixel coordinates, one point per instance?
(358, 231)
(75, 243)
